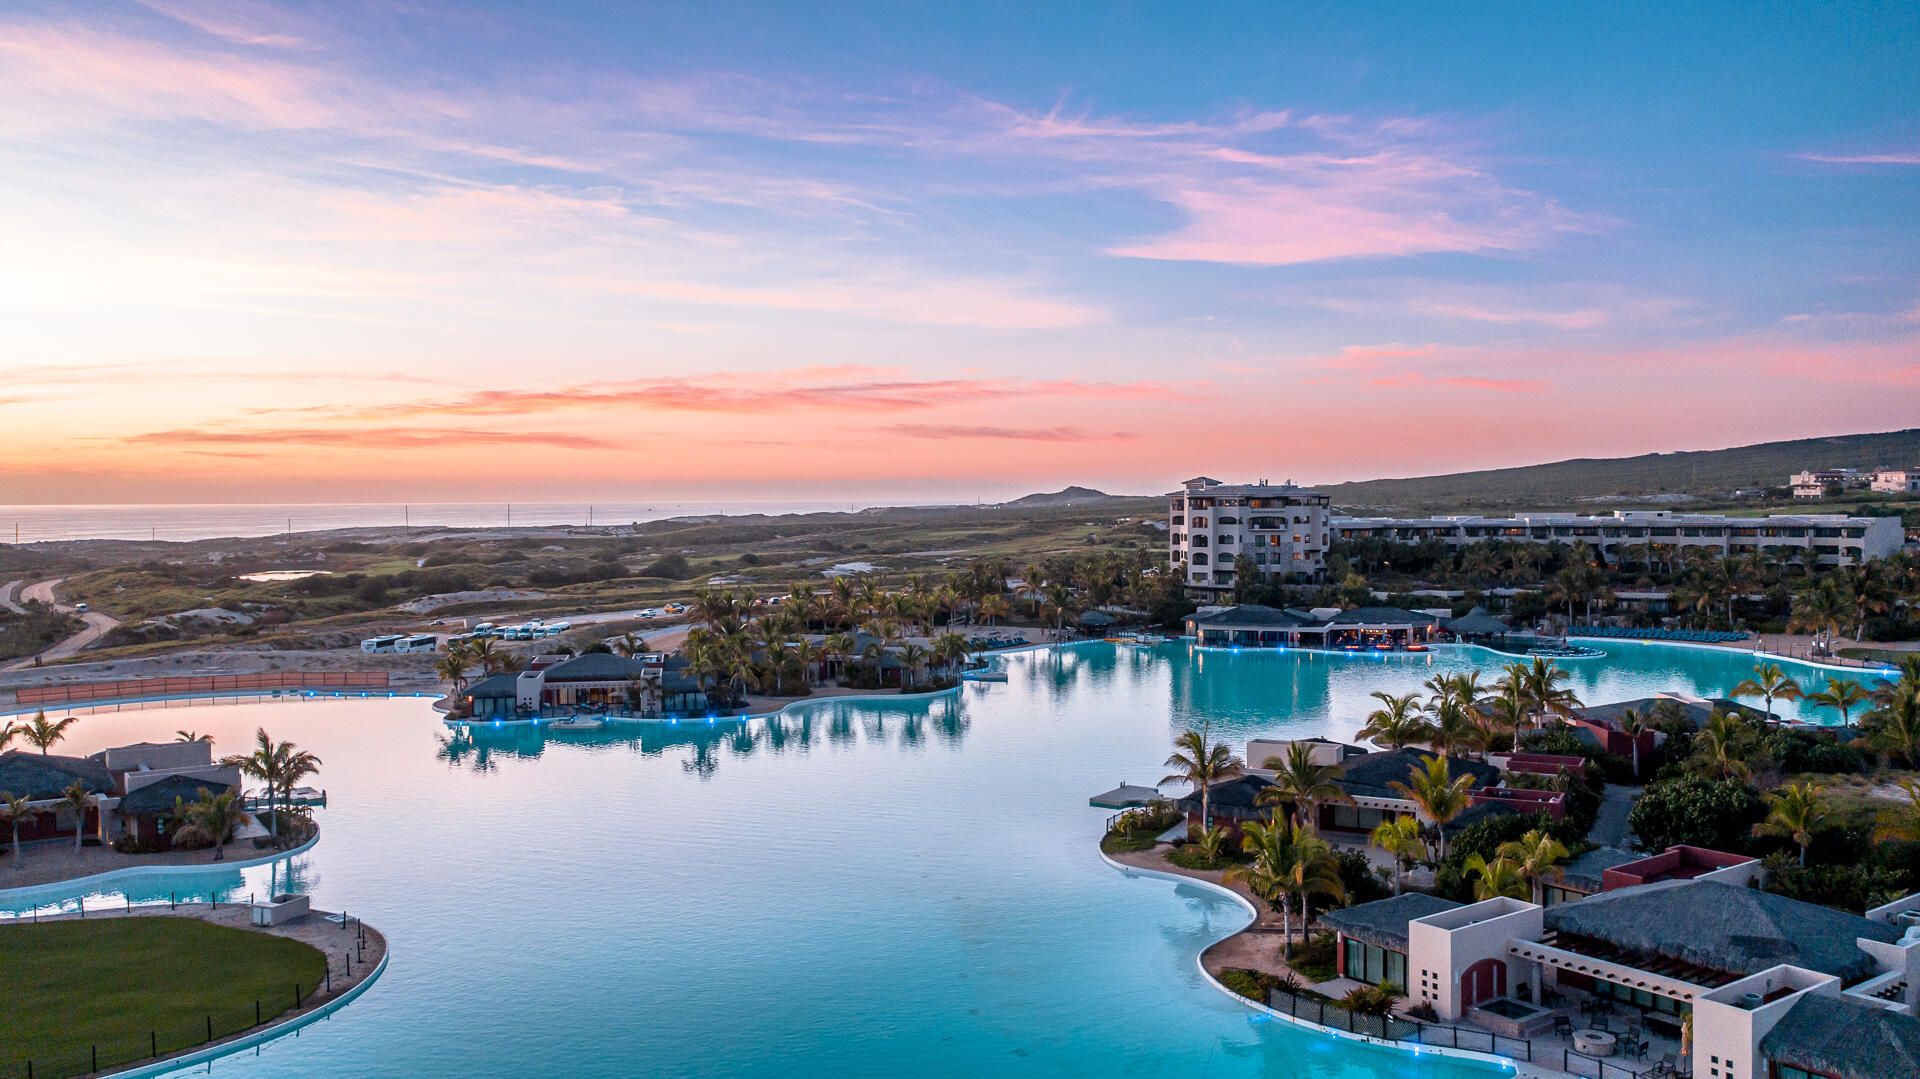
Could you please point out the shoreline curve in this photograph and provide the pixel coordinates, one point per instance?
(113, 876)
(1513, 1067)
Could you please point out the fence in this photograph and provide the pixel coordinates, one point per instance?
(1577, 1063)
(229, 1019)
(188, 685)
(1327, 1013)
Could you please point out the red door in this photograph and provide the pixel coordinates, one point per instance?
(1482, 981)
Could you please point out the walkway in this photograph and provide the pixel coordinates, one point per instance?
(1610, 823)
(54, 860)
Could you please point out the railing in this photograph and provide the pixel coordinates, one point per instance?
(1328, 1013)
(81, 692)
(1574, 1062)
(231, 1020)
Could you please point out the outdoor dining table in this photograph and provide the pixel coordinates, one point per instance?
(1594, 1043)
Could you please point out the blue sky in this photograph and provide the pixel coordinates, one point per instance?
(872, 250)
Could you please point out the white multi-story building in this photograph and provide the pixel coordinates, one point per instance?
(1897, 481)
(1820, 482)
(1831, 539)
(1214, 528)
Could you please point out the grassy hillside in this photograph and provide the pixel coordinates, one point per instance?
(1706, 474)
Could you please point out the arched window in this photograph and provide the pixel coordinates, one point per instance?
(1229, 520)
(1199, 559)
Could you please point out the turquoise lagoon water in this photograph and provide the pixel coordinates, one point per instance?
(854, 889)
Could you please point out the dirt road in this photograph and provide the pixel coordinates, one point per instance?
(97, 624)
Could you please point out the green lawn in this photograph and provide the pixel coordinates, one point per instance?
(117, 983)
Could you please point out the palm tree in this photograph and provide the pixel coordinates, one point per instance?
(1202, 763)
(1301, 783)
(1795, 812)
(1901, 823)
(1287, 861)
(915, 658)
(13, 810)
(1398, 723)
(482, 654)
(178, 736)
(1841, 696)
(1722, 743)
(267, 763)
(1496, 879)
(192, 824)
(77, 800)
(452, 668)
(629, 646)
(1537, 857)
(1439, 794)
(994, 606)
(296, 764)
(45, 734)
(1633, 724)
(1452, 727)
(1507, 710)
(1894, 727)
(1544, 692)
(1399, 838)
(1769, 683)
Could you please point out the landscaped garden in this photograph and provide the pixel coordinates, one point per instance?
(115, 990)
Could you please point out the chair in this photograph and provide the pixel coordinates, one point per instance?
(1563, 1026)
(1600, 1024)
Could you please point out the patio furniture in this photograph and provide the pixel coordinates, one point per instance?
(1563, 1026)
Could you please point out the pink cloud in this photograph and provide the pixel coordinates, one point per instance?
(1017, 434)
(374, 440)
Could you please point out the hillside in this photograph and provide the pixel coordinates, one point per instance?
(1702, 474)
(1069, 496)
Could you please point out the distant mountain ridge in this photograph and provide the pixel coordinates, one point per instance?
(1700, 473)
(1067, 496)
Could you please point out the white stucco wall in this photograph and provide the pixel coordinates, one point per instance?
(1441, 947)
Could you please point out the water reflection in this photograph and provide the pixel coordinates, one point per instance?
(905, 725)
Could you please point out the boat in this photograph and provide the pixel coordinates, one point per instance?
(577, 723)
(1137, 638)
(984, 676)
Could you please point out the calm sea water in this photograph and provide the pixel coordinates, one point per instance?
(177, 522)
(856, 889)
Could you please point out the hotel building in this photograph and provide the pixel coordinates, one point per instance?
(1213, 528)
(1834, 539)
(1897, 481)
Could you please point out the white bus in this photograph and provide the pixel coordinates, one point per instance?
(421, 642)
(389, 642)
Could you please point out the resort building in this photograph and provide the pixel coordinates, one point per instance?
(1367, 780)
(1777, 988)
(1821, 482)
(148, 774)
(1823, 539)
(1215, 530)
(43, 779)
(648, 685)
(1252, 625)
(1897, 481)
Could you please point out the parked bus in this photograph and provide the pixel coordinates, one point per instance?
(422, 642)
(389, 642)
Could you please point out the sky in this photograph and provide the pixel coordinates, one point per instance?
(365, 250)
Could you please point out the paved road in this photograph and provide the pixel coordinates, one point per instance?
(97, 624)
(6, 597)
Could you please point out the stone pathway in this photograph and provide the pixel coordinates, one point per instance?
(1610, 823)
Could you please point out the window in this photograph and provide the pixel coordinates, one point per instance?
(1199, 559)
(1229, 521)
(1199, 522)
(1373, 965)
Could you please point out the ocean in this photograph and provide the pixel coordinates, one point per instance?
(32, 524)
